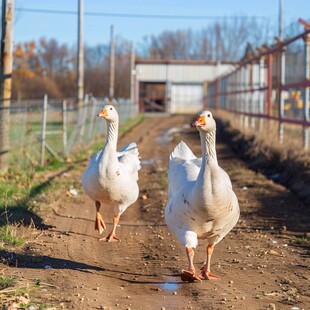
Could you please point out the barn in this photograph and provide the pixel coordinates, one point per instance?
(175, 86)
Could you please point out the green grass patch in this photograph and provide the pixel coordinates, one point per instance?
(14, 186)
(6, 282)
(8, 236)
(130, 123)
(302, 240)
(52, 165)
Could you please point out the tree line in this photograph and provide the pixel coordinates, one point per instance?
(48, 66)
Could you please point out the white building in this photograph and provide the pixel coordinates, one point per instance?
(175, 86)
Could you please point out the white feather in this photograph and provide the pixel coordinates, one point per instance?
(111, 177)
(202, 204)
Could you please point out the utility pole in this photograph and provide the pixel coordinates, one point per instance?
(112, 63)
(6, 66)
(281, 20)
(132, 73)
(80, 60)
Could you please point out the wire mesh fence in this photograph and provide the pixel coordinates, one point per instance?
(273, 84)
(40, 130)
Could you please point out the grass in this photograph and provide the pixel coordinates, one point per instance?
(6, 282)
(14, 186)
(302, 240)
(21, 296)
(130, 123)
(8, 236)
(268, 133)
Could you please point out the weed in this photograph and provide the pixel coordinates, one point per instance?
(6, 282)
(302, 240)
(8, 236)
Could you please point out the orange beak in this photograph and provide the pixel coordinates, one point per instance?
(200, 121)
(103, 113)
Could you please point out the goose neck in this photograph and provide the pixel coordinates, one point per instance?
(112, 134)
(208, 145)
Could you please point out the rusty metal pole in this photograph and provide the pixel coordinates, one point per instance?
(6, 80)
(261, 83)
(281, 98)
(269, 84)
(251, 99)
(282, 82)
(261, 92)
(306, 95)
(307, 77)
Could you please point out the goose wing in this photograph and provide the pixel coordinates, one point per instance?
(129, 160)
(184, 167)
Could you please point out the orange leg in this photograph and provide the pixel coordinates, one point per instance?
(99, 223)
(111, 236)
(190, 274)
(205, 270)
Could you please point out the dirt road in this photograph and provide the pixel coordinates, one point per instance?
(260, 263)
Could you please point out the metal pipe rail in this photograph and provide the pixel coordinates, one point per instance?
(262, 87)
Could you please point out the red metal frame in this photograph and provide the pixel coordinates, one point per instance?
(269, 83)
(275, 118)
(268, 53)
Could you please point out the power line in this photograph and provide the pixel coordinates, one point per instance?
(129, 15)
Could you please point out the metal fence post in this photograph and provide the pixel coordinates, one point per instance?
(281, 98)
(269, 84)
(252, 101)
(306, 90)
(43, 131)
(64, 124)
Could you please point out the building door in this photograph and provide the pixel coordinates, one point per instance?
(186, 98)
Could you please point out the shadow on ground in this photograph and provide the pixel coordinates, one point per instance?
(23, 212)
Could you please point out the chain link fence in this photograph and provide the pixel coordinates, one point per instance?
(40, 130)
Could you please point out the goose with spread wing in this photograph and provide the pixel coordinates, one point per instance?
(202, 203)
(111, 176)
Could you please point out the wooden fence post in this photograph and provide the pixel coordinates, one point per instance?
(43, 131)
(6, 65)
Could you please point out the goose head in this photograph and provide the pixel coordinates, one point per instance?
(205, 122)
(109, 113)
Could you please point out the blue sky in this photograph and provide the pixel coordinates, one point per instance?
(63, 26)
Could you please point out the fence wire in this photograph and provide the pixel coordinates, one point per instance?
(35, 138)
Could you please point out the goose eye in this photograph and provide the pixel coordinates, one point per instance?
(110, 108)
(208, 115)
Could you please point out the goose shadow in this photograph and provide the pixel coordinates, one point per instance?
(43, 262)
(22, 261)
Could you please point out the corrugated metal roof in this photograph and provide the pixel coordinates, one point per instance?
(177, 71)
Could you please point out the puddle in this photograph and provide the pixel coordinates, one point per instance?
(170, 286)
(167, 137)
(148, 162)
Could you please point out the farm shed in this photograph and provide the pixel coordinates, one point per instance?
(175, 86)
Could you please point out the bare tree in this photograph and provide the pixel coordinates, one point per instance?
(222, 40)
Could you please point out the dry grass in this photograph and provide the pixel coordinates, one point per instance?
(265, 134)
(258, 144)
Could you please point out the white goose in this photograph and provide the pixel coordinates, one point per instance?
(202, 204)
(111, 177)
